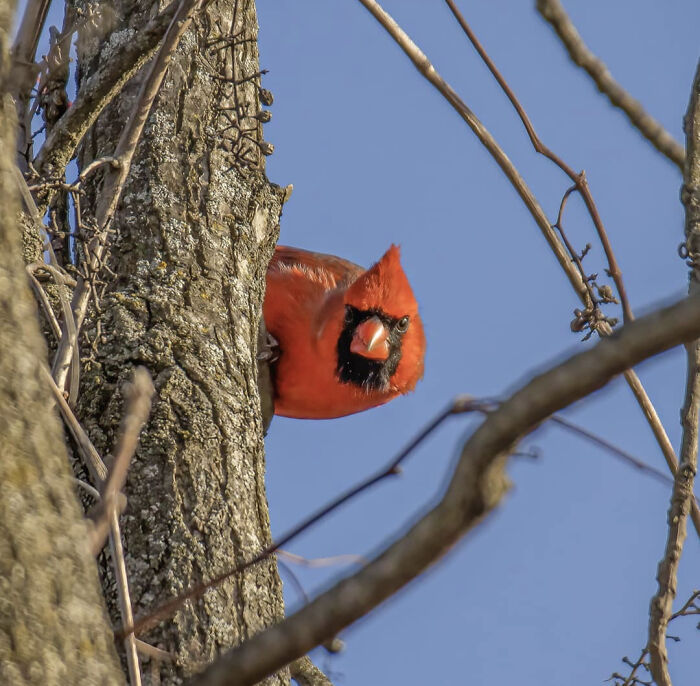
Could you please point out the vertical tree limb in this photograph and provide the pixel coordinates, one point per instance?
(682, 496)
(24, 71)
(52, 622)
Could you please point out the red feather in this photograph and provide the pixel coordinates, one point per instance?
(349, 339)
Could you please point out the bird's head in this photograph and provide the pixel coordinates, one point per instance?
(382, 344)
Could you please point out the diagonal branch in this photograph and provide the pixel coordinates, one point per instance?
(477, 486)
(579, 178)
(424, 66)
(461, 405)
(682, 496)
(306, 673)
(553, 12)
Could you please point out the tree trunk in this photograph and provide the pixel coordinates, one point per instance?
(53, 625)
(193, 235)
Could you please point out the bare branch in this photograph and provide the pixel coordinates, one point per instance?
(578, 178)
(96, 93)
(117, 550)
(423, 65)
(116, 177)
(138, 406)
(660, 434)
(306, 673)
(682, 496)
(24, 70)
(97, 468)
(652, 130)
(461, 405)
(477, 486)
(138, 399)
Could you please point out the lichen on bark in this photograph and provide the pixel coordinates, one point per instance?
(192, 238)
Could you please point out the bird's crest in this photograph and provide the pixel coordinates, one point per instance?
(384, 286)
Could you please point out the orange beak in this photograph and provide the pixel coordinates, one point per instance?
(371, 339)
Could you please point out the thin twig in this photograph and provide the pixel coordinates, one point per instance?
(631, 679)
(662, 603)
(477, 486)
(553, 12)
(43, 300)
(68, 329)
(90, 490)
(689, 607)
(138, 395)
(122, 579)
(623, 455)
(284, 567)
(323, 561)
(154, 652)
(95, 465)
(578, 178)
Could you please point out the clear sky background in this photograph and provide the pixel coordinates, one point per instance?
(554, 588)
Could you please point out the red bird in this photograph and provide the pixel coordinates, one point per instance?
(349, 338)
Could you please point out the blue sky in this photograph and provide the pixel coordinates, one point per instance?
(555, 587)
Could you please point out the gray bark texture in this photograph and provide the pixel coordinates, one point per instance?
(53, 624)
(193, 234)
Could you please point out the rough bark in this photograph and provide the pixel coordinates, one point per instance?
(53, 625)
(193, 236)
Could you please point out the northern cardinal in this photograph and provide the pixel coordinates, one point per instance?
(349, 338)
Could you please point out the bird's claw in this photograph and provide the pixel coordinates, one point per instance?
(271, 349)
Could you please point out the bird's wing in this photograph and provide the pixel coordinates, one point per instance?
(341, 271)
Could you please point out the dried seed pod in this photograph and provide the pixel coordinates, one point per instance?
(266, 97)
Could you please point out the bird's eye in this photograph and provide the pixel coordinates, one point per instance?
(349, 316)
(402, 324)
